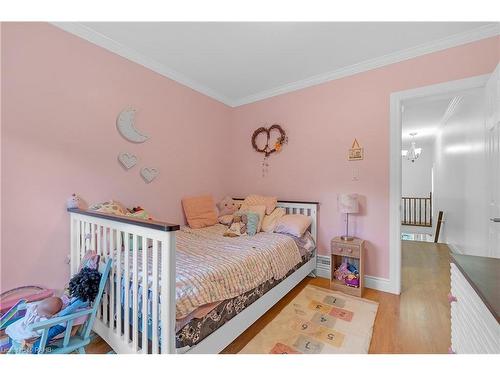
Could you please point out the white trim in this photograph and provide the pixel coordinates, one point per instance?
(406, 54)
(396, 101)
(90, 35)
(378, 283)
(97, 38)
(323, 269)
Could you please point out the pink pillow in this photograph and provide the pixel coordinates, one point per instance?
(295, 225)
(200, 211)
(260, 200)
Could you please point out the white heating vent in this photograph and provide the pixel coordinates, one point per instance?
(323, 266)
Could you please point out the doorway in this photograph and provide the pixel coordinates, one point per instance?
(445, 91)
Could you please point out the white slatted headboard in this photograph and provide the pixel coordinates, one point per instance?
(303, 208)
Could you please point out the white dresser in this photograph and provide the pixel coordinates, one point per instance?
(474, 319)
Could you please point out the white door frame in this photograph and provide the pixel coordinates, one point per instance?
(396, 100)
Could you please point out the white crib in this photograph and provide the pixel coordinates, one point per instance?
(130, 326)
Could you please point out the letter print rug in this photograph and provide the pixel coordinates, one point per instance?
(318, 321)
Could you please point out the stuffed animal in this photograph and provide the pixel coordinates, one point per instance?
(75, 202)
(227, 206)
(238, 226)
(342, 271)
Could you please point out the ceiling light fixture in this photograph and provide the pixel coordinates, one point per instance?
(413, 153)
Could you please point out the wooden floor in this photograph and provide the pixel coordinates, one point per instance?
(417, 321)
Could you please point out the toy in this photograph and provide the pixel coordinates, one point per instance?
(139, 213)
(348, 273)
(227, 206)
(353, 282)
(11, 314)
(75, 202)
(341, 272)
(30, 293)
(237, 227)
(85, 284)
(83, 289)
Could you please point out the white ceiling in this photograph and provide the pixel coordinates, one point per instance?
(425, 116)
(238, 63)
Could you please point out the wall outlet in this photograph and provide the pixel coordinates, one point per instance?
(355, 174)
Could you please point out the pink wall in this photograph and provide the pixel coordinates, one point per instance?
(61, 96)
(321, 123)
(59, 137)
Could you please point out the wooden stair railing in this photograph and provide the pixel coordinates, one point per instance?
(438, 226)
(417, 211)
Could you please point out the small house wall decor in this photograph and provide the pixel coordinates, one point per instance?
(271, 146)
(356, 151)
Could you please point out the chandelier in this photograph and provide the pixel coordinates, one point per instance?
(413, 153)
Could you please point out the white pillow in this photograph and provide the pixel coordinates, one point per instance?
(270, 221)
(260, 210)
(295, 225)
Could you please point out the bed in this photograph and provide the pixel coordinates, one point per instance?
(203, 289)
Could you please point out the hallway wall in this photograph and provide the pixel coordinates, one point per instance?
(460, 172)
(417, 176)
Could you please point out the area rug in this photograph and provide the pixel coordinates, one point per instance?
(318, 321)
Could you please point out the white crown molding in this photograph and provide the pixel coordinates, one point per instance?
(482, 32)
(103, 41)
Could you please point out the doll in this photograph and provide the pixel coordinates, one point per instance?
(19, 331)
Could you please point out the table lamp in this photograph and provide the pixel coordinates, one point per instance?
(348, 204)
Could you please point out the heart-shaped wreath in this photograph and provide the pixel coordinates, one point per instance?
(267, 150)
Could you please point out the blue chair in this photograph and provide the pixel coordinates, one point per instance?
(78, 342)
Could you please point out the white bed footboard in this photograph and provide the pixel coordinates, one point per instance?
(132, 318)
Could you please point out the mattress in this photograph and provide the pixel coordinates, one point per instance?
(193, 326)
(198, 328)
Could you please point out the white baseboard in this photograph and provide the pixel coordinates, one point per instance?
(379, 283)
(372, 282)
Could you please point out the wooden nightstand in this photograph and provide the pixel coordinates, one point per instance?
(352, 252)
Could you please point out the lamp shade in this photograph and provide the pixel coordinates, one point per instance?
(348, 203)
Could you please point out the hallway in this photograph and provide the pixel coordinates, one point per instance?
(417, 321)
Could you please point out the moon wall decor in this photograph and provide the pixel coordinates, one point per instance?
(127, 160)
(125, 125)
(149, 174)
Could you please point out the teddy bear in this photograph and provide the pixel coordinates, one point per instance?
(227, 207)
(75, 202)
(237, 227)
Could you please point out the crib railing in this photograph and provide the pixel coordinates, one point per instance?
(137, 312)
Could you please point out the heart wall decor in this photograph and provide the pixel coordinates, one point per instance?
(127, 160)
(149, 174)
(278, 143)
(267, 150)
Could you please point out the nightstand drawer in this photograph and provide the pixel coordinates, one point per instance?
(345, 250)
